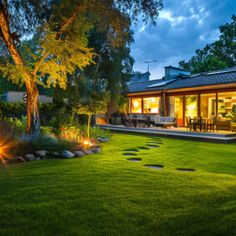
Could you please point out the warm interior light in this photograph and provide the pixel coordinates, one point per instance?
(136, 104)
(153, 99)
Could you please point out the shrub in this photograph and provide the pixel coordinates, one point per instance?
(17, 124)
(97, 132)
(70, 133)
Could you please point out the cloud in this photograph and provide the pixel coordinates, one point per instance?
(182, 27)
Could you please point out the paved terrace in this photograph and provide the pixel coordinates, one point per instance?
(180, 133)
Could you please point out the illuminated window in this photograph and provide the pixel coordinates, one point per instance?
(151, 105)
(226, 102)
(176, 109)
(191, 107)
(208, 105)
(136, 106)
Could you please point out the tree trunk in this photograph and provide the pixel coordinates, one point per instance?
(33, 124)
(33, 121)
(88, 127)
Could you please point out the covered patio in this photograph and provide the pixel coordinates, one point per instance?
(200, 103)
(221, 136)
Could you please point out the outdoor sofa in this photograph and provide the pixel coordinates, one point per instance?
(162, 121)
(148, 120)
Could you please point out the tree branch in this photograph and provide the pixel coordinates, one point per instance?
(39, 63)
(62, 29)
(69, 20)
(6, 35)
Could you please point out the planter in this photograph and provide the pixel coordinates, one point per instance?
(116, 120)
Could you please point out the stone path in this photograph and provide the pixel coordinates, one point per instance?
(134, 159)
(153, 143)
(129, 154)
(154, 166)
(186, 169)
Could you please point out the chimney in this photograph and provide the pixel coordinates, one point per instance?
(171, 72)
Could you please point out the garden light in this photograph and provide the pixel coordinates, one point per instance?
(3, 151)
(87, 143)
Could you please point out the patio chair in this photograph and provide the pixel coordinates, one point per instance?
(127, 119)
(189, 124)
(211, 124)
(141, 119)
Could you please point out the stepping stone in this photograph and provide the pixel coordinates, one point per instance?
(144, 148)
(131, 150)
(134, 159)
(186, 169)
(154, 166)
(155, 139)
(153, 145)
(129, 154)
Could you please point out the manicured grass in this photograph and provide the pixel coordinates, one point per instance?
(105, 194)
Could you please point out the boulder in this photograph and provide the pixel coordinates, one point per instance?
(55, 155)
(79, 153)
(103, 139)
(29, 157)
(96, 150)
(67, 154)
(88, 151)
(3, 161)
(41, 153)
(18, 160)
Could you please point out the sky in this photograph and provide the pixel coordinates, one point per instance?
(182, 27)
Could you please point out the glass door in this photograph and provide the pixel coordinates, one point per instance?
(191, 106)
(179, 114)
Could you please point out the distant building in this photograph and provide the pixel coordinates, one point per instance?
(15, 96)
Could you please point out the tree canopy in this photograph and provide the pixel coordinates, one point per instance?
(58, 31)
(217, 55)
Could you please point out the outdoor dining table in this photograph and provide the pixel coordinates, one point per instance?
(200, 123)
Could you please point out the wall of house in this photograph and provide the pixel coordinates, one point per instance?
(202, 103)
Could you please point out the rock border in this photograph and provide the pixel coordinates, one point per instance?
(44, 154)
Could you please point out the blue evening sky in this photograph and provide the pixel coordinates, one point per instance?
(182, 27)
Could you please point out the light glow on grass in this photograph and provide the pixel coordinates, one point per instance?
(4, 153)
(4, 147)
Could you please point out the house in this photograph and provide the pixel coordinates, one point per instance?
(179, 94)
(16, 96)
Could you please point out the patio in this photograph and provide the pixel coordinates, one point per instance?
(221, 136)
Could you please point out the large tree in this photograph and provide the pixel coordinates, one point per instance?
(217, 55)
(60, 29)
(112, 68)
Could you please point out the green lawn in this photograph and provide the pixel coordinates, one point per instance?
(104, 194)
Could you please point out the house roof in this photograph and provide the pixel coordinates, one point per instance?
(140, 77)
(219, 77)
(176, 68)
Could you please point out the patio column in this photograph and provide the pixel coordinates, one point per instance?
(184, 110)
(199, 105)
(163, 104)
